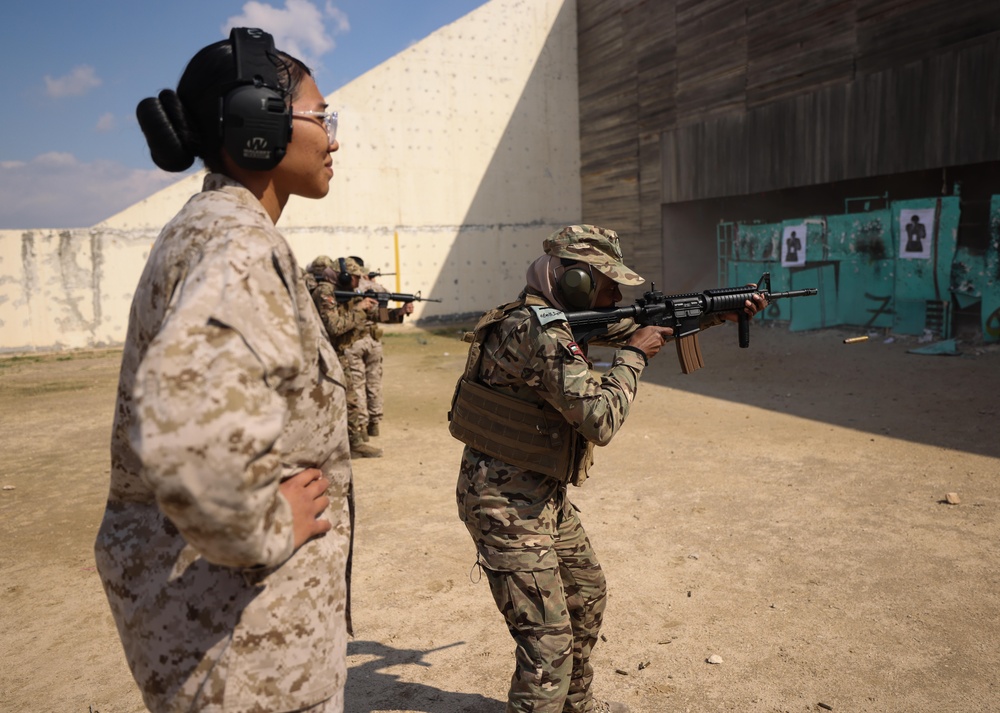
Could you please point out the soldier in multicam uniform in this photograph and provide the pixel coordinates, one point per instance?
(346, 322)
(225, 544)
(530, 411)
(365, 355)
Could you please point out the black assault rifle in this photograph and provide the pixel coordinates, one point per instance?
(378, 273)
(683, 313)
(382, 297)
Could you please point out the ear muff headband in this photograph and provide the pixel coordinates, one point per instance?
(577, 286)
(255, 120)
(344, 277)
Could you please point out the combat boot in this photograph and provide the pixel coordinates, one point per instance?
(373, 429)
(360, 449)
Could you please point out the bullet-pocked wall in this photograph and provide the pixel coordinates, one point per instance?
(458, 156)
(897, 266)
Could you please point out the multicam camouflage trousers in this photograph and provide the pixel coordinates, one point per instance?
(554, 616)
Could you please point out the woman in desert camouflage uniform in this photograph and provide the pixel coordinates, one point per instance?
(530, 411)
(224, 546)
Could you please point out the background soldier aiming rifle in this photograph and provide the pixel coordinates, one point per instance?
(346, 321)
(364, 354)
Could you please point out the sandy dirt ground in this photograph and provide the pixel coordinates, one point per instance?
(783, 509)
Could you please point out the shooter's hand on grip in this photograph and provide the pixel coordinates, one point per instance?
(650, 339)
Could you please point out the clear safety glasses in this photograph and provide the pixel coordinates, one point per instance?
(329, 119)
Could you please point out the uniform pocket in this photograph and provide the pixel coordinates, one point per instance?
(520, 559)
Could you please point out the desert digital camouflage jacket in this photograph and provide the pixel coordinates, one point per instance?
(511, 512)
(227, 385)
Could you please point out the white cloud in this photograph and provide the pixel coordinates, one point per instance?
(55, 190)
(298, 28)
(339, 17)
(106, 122)
(55, 159)
(77, 83)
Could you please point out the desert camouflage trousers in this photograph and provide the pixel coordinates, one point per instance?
(330, 705)
(354, 423)
(365, 360)
(554, 616)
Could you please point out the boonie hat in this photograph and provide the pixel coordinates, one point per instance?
(593, 245)
(320, 263)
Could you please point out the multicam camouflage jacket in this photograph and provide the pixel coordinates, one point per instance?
(227, 385)
(345, 321)
(512, 511)
(389, 315)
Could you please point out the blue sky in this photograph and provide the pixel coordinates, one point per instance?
(71, 153)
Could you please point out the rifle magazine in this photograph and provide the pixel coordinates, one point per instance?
(689, 353)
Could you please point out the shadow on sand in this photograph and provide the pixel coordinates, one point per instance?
(370, 688)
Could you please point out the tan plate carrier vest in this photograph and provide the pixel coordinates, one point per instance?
(532, 436)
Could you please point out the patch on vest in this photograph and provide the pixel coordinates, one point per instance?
(575, 350)
(548, 314)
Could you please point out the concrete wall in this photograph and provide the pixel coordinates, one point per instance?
(458, 156)
(64, 289)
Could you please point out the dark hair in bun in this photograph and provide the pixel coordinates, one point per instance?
(182, 125)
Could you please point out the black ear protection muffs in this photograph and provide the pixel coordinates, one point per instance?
(344, 277)
(254, 119)
(577, 286)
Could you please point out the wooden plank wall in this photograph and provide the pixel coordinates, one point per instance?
(929, 113)
(683, 100)
(608, 113)
(627, 53)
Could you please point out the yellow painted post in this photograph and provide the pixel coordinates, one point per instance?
(395, 246)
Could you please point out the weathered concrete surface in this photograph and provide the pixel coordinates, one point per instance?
(458, 156)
